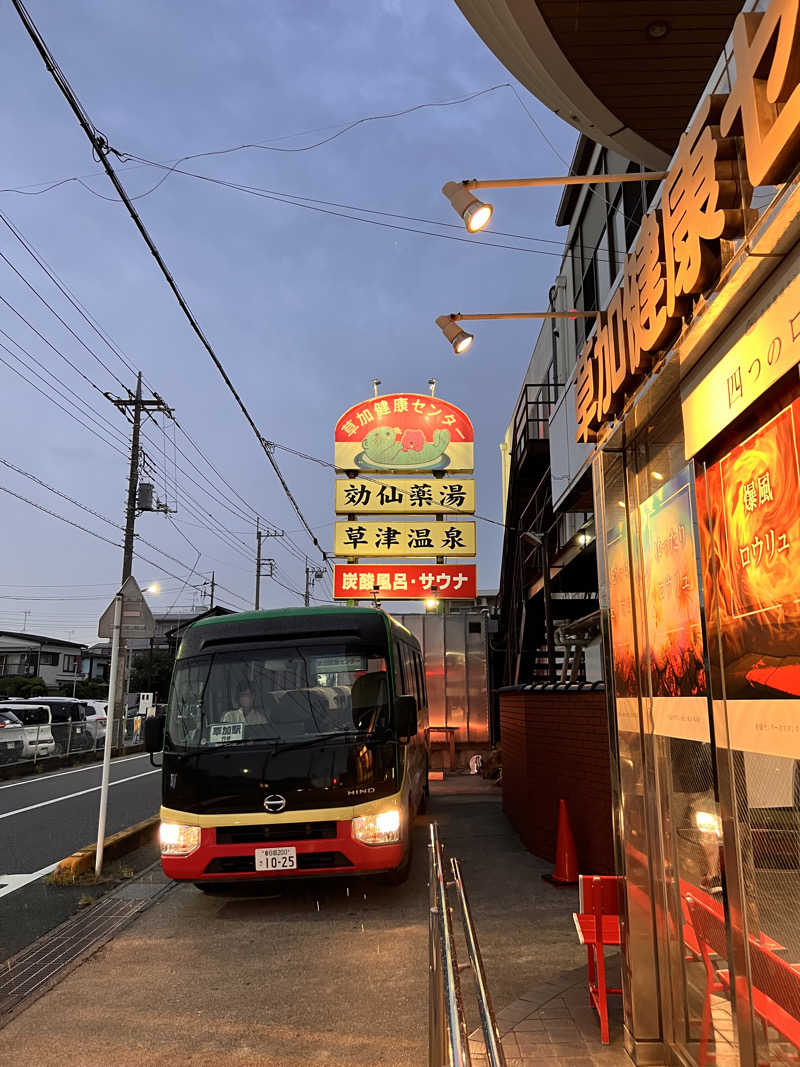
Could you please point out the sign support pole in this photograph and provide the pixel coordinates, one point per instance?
(110, 718)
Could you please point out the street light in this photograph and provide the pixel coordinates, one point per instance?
(461, 340)
(458, 338)
(473, 211)
(432, 600)
(153, 588)
(476, 214)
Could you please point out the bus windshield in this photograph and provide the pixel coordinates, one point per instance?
(279, 694)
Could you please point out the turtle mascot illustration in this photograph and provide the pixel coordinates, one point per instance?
(383, 447)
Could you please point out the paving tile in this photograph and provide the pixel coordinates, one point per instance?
(554, 1011)
(510, 1046)
(511, 1015)
(532, 1023)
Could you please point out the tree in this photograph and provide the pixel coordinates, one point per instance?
(152, 676)
(86, 690)
(15, 685)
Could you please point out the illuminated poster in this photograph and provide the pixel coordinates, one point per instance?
(401, 540)
(619, 597)
(404, 581)
(674, 631)
(750, 530)
(404, 496)
(404, 432)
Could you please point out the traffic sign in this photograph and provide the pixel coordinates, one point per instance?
(137, 619)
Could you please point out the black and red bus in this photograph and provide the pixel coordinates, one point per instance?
(293, 744)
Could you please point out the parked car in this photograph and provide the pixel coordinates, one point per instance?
(12, 737)
(71, 732)
(35, 731)
(96, 719)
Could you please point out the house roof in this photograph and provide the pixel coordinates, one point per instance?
(38, 639)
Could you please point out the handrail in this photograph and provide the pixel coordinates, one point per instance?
(447, 1033)
(448, 1045)
(491, 1034)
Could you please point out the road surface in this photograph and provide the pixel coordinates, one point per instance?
(46, 817)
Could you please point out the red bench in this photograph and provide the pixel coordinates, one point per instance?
(597, 924)
(776, 984)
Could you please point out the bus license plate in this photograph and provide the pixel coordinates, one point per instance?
(276, 859)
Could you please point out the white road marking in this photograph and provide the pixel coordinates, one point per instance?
(10, 883)
(71, 796)
(35, 779)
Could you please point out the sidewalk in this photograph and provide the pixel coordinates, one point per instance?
(536, 970)
(328, 972)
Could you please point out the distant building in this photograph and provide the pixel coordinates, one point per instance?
(96, 662)
(486, 600)
(165, 622)
(26, 655)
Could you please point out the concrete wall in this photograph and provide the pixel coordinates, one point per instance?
(554, 744)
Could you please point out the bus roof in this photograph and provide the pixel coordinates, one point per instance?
(275, 621)
(282, 613)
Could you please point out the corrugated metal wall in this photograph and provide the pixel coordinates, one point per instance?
(456, 669)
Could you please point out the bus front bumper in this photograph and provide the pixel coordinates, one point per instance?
(225, 854)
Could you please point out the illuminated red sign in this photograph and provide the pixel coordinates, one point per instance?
(405, 581)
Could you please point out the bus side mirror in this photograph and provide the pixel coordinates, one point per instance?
(154, 734)
(405, 714)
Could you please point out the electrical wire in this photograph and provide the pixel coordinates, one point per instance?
(253, 190)
(58, 492)
(66, 411)
(342, 127)
(101, 147)
(84, 314)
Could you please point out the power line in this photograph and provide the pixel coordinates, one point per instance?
(55, 515)
(102, 149)
(253, 190)
(342, 127)
(52, 310)
(57, 492)
(52, 401)
(101, 537)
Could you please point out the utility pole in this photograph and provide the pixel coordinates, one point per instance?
(213, 586)
(25, 620)
(261, 564)
(313, 574)
(258, 564)
(138, 405)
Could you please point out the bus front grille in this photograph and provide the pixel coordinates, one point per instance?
(306, 861)
(288, 831)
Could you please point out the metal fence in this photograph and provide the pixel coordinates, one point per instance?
(37, 745)
(448, 1043)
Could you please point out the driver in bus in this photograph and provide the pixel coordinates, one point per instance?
(246, 713)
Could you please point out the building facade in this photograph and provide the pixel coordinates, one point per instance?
(676, 429)
(26, 655)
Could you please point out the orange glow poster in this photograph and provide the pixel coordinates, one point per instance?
(674, 630)
(749, 508)
(619, 602)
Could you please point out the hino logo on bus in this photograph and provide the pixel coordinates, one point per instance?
(360, 792)
(274, 803)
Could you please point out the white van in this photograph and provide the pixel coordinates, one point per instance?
(96, 718)
(38, 738)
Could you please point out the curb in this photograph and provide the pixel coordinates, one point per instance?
(119, 844)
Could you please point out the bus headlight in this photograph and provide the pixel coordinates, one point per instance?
(178, 840)
(380, 829)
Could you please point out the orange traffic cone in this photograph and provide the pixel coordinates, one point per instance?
(566, 870)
